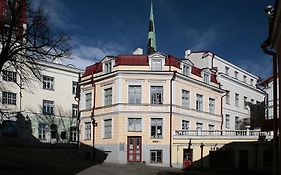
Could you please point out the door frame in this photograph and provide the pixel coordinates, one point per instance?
(128, 137)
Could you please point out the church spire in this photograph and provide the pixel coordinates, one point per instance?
(151, 46)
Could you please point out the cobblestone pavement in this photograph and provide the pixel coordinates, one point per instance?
(129, 169)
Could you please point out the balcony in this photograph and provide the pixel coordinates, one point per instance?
(222, 134)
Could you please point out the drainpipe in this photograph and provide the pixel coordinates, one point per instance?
(93, 114)
(77, 99)
(221, 108)
(275, 121)
(171, 111)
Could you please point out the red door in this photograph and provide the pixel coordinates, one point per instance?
(134, 149)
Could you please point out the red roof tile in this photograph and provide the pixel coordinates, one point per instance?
(132, 60)
(214, 78)
(95, 68)
(196, 71)
(172, 61)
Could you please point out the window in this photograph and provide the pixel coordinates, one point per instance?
(185, 98)
(48, 83)
(48, 107)
(244, 78)
(74, 87)
(156, 127)
(88, 100)
(206, 77)
(9, 76)
(252, 101)
(73, 134)
(134, 94)
(211, 129)
(211, 105)
(108, 96)
(156, 156)
(185, 125)
(227, 98)
(226, 70)
(236, 74)
(236, 100)
(87, 132)
(185, 69)
(107, 67)
(107, 128)
(236, 122)
(54, 131)
(156, 94)
(199, 102)
(9, 98)
(227, 121)
(156, 64)
(42, 128)
(63, 135)
(134, 124)
(199, 128)
(245, 102)
(251, 82)
(74, 110)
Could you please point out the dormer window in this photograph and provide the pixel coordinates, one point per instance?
(107, 67)
(156, 64)
(206, 77)
(186, 69)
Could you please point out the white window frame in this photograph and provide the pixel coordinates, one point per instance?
(158, 127)
(73, 133)
(245, 102)
(206, 77)
(132, 122)
(133, 94)
(212, 105)
(48, 83)
(74, 87)
(156, 64)
(87, 130)
(186, 69)
(227, 99)
(9, 98)
(9, 76)
(236, 123)
(42, 131)
(107, 67)
(48, 107)
(236, 100)
(108, 96)
(154, 96)
(88, 100)
(158, 153)
(74, 110)
(199, 128)
(185, 98)
(107, 128)
(199, 102)
(227, 121)
(185, 125)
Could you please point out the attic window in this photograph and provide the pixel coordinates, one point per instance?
(107, 67)
(156, 64)
(206, 77)
(186, 69)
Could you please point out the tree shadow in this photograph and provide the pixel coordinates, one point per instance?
(22, 153)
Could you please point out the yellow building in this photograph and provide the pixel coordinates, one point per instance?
(139, 101)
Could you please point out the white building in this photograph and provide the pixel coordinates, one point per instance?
(242, 87)
(44, 110)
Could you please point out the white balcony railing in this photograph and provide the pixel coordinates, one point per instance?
(230, 133)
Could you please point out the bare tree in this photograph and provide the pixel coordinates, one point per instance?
(27, 37)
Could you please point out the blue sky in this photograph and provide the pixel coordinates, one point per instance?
(232, 29)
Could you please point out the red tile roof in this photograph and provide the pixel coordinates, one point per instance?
(95, 68)
(172, 61)
(214, 78)
(132, 60)
(196, 71)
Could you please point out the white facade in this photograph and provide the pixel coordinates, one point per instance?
(240, 84)
(47, 104)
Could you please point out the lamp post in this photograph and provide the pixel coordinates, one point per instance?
(201, 147)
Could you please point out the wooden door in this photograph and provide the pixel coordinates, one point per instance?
(134, 149)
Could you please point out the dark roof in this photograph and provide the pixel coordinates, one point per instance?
(132, 60)
(214, 78)
(95, 68)
(172, 61)
(196, 71)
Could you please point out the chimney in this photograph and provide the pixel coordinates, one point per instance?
(138, 51)
(187, 53)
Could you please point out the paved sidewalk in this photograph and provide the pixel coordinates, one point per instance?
(129, 169)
